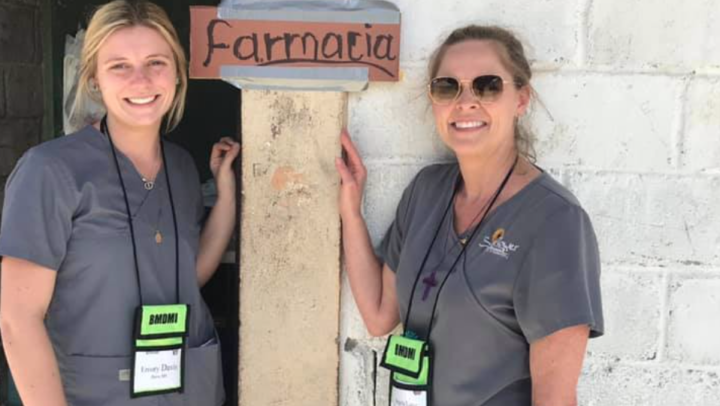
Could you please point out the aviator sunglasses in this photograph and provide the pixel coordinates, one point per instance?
(487, 88)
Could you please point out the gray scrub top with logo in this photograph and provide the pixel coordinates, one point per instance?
(532, 269)
(64, 210)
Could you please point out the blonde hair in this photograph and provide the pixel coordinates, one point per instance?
(512, 56)
(118, 14)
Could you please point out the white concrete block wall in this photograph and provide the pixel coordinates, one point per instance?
(633, 93)
(701, 144)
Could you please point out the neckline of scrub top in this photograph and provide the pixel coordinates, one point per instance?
(457, 237)
(159, 177)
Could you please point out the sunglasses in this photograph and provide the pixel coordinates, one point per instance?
(487, 88)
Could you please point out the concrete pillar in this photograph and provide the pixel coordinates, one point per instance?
(290, 248)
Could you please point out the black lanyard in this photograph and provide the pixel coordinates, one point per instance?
(106, 131)
(462, 250)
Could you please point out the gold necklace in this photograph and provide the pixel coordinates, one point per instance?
(158, 234)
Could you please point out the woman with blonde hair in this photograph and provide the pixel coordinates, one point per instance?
(102, 241)
(491, 266)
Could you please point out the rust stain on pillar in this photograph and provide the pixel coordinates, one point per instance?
(285, 177)
(290, 249)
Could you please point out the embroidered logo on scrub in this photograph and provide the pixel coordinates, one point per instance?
(496, 244)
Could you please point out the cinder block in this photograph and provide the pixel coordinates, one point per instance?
(612, 384)
(664, 34)
(21, 2)
(3, 181)
(395, 121)
(606, 121)
(548, 28)
(382, 385)
(24, 91)
(632, 304)
(8, 159)
(363, 381)
(358, 365)
(2, 96)
(351, 322)
(17, 34)
(385, 185)
(652, 219)
(701, 145)
(694, 321)
(19, 134)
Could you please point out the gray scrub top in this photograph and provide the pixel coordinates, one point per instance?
(64, 210)
(532, 269)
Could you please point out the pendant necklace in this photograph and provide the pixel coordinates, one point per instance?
(158, 234)
(149, 185)
(463, 241)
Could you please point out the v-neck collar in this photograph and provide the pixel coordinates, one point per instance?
(455, 236)
(126, 163)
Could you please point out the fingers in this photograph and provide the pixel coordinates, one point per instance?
(345, 175)
(230, 155)
(349, 147)
(354, 161)
(224, 146)
(223, 154)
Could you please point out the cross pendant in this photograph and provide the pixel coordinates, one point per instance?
(429, 282)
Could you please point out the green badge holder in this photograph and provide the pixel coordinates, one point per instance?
(409, 360)
(159, 332)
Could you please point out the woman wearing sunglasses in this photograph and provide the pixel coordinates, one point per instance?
(491, 265)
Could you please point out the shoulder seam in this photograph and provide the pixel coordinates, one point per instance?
(575, 203)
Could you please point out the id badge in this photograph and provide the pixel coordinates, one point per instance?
(409, 361)
(408, 397)
(159, 350)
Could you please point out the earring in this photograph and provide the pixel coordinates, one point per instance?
(93, 86)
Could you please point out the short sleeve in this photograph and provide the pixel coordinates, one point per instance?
(559, 283)
(37, 211)
(391, 245)
(198, 204)
(186, 185)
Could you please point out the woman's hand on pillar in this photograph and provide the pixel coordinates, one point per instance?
(352, 178)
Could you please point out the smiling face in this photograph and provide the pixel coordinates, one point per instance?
(468, 127)
(136, 75)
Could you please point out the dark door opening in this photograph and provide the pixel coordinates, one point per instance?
(212, 111)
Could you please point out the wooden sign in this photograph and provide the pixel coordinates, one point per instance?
(217, 43)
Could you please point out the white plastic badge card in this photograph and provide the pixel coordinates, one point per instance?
(158, 371)
(405, 397)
